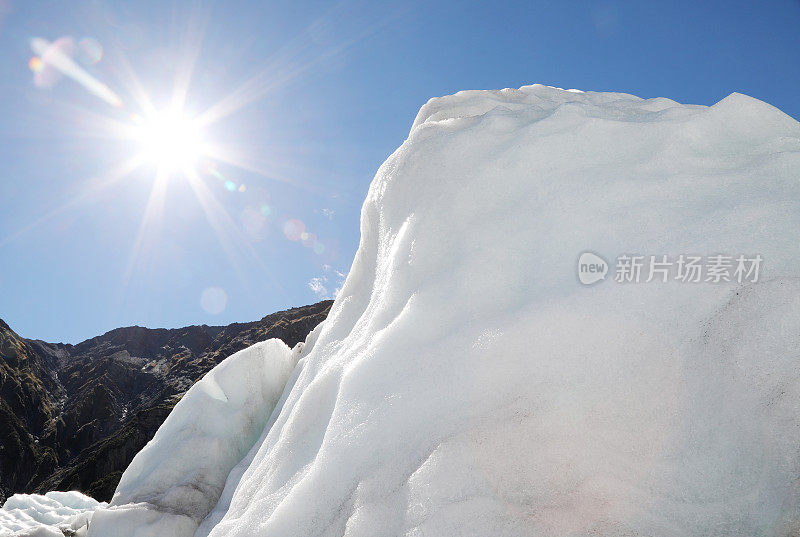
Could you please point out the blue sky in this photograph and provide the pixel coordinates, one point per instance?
(324, 92)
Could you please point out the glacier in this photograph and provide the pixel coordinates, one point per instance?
(466, 383)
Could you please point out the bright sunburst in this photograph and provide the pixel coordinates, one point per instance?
(170, 139)
(178, 143)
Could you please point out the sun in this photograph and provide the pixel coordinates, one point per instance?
(171, 140)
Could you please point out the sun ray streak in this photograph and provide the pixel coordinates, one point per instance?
(150, 226)
(99, 126)
(241, 160)
(54, 56)
(279, 72)
(95, 186)
(191, 46)
(228, 235)
(127, 75)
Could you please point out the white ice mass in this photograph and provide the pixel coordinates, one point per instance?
(177, 478)
(465, 382)
(36, 515)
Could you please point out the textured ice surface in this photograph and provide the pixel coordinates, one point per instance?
(466, 384)
(35, 515)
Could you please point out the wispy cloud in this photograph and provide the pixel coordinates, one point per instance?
(318, 287)
(330, 278)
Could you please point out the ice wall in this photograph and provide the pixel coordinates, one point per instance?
(466, 384)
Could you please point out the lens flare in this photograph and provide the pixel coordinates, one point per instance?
(35, 64)
(214, 300)
(293, 229)
(57, 58)
(254, 224)
(91, 49)
(310, 240)
(210, 168)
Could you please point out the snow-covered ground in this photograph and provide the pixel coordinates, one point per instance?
(465, 382)
(35, 515)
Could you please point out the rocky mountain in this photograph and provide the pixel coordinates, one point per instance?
(73, 416)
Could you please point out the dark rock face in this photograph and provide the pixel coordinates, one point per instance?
(73, 416)
(29, 404)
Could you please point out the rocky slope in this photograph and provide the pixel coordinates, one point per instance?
(73, 416)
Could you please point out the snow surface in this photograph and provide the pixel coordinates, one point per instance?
(466, 384)
(35, 515)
